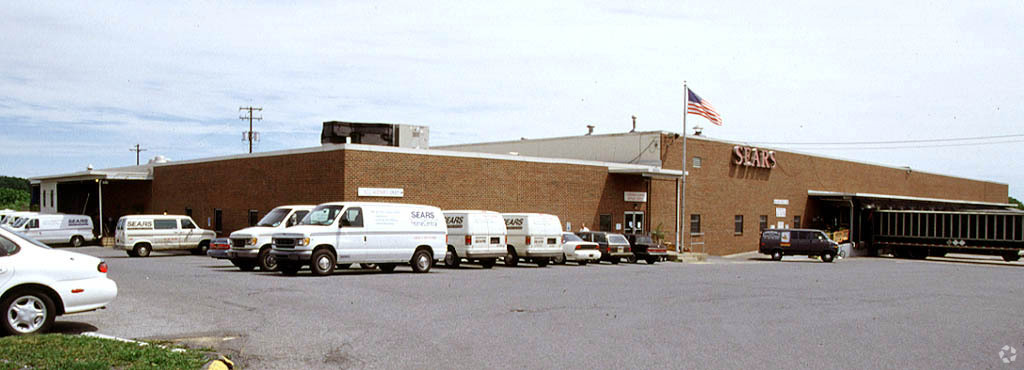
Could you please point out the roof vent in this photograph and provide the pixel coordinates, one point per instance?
(159, 159)
(590, 129)
(634, 124)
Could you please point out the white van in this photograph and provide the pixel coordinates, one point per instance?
(251, 246)
(343, 233)
(141, 234)
(10, 218)
(56, 228)
(534, 237)
(475, 236)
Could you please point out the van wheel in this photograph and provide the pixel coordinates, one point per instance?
(581, 262)
(202, 248)
(77, 241)
(421, 261)
(451, 259)
(244, 265)
(1010, 257)
(827, 257)
(266, 260)
(142, 250)
(651, 260)
(322, 263)
(488, 262)
(615, 260)
(511, 259)
(386, 267)
(288, 268)
(27, 311)
(542, 262)
(131, 253)
(776, 255)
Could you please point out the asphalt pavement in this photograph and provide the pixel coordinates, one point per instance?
(729, 313)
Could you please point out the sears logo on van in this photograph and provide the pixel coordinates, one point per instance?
(423, 219)
(454, 222)
(78, 222)
(139, 224)
(514, 223)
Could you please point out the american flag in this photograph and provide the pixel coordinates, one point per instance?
(702, 107)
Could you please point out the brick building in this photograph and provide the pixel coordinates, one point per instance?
(620, 182)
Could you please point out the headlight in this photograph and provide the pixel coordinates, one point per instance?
(251, 241)
(303, 242)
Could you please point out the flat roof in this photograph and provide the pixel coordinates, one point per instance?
(140, 172)
(820, 193)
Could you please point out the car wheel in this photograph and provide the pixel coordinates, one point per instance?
(488, 263)
(827, 257)
(322, 263)
(511, 259)
(243, 265)
(288, 268)
(386, 267)
(1010, 257)
(28, 311)
(421, 261)
(776, 255)
(581, 262)
(451, 259)
(266, 260)
(77, 241)
(142, 250)
(131, 253)
(615, 260)
(542, 262)
(559, 259)
(651, 260)
(631, 259)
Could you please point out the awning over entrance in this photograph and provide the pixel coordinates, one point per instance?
(142, 172)
(646, 171)
(885, 201)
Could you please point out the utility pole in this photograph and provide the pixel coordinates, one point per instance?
(137, 150)
(250, 135)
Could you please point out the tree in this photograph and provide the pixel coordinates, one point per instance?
(16, 183)
(1016, 203)
(14, 199)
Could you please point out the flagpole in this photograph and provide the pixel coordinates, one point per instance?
(682, 195)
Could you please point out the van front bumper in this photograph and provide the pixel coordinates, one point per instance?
(299, 255)
(248, 253)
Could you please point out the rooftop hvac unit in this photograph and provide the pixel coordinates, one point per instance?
(387, 134)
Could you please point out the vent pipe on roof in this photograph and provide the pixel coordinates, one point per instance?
(634, 124)
(590, 129)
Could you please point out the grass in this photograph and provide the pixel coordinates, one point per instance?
(58, 351)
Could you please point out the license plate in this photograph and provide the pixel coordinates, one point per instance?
(620, 249)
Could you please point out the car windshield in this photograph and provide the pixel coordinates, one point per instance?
(617, 239)
(570, 237)
(274, 218)
(322, 215)
(21, 222)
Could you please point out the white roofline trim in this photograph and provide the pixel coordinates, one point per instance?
(821, 193)
(434, 152)
(555, 138)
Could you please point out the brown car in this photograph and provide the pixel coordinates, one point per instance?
(613, 247)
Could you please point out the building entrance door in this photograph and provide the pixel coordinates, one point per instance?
(634, 223)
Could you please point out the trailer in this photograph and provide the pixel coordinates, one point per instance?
(920, 234)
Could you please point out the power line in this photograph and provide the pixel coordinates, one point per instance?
(250, 135)
(137, 150)
(892, 142)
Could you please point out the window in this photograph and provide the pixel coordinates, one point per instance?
(51, 198)
(165, 224)
(296, 218)
(353, 217)
(188, 212)
(187, 224)
(796, 222)
(218, 219)
(254, 217)
(738, 221)
(7, 247)
(762, 221)
(694, 224)
(44, 199)
(697, 162)
(34, 224)
(605, 223)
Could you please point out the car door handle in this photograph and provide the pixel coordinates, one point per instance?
(364, 238)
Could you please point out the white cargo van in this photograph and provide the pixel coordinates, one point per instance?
(10, 218)
(344, 233)
(475, 236)
(251, 246)
(534, 237)
(141, 234)
(56, 228)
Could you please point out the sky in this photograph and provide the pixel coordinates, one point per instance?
(81, 83)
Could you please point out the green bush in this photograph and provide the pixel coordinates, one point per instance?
(14, 199)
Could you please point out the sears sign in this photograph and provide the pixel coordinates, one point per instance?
(753, 157)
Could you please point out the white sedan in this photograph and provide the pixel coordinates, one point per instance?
(578, 250)
(38, 283)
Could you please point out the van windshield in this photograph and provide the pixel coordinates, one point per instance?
(274, 218)
(322, 215)
(18, 224)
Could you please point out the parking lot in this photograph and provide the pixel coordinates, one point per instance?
(742, 312)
